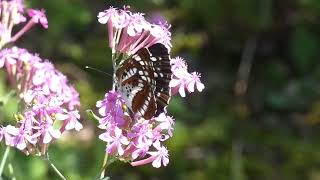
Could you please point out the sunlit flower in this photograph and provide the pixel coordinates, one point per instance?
(195, 81)
(157, 158)
(72, 121)
(182, 80)
(128, 32)
(115, 140)
(161, 156)
(47, 97)
(166, 123)
(130, 137)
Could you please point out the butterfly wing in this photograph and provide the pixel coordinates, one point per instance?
(143, 81)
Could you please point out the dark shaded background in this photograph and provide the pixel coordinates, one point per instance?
(258, 117)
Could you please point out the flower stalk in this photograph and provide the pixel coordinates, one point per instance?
(55, 169)
(4, 160)
(104, 166)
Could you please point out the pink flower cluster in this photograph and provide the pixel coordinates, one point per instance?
(137, 140)
(128, 32)
(183, 80)
(48, 99)
(12, 13)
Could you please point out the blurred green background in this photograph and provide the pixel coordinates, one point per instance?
(258, 117)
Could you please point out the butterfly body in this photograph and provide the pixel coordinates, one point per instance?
(143, 81)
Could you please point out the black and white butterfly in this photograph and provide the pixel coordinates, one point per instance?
(143, 81)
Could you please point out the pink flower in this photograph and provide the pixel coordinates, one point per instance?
(194, 80)
(103, 17)
(111, 109)
(47, 96)
(142, 133)
(133, 139)
(178, 63)
(72, 121)
(20, 137)
(128, 136)
(166, 123)
(47, 132)
(12, 13)
(128, 32)
(38, 16)
(136, 24)
(140, 151)
(159, 156)
(182, 80)
(115, 141)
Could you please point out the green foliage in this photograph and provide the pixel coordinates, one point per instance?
(269, 132)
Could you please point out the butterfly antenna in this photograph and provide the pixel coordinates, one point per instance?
(98, 70)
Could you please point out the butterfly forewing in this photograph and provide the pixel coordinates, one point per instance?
(143, 80)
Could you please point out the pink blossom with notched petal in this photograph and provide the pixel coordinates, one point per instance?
(112, 100)
(141, 133)
(180, 81)
(166, 123)
(47, 132)
(111, 109)
(103, 17)
(157, 157)
(121, 19)
(72, 121)
(117, 17)
(136, 24)
(38, 16)
(140, 151)
(7, 137)
(194, 80)
(161, 156)
(20, 137)
(178, 63)
(115, 141)
(9, 56)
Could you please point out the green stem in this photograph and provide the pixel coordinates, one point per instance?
(46, 157)
(104, 166)
(4, 160)
(57, 171)
(11, 171)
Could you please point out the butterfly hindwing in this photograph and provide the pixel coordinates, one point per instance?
(143, 81)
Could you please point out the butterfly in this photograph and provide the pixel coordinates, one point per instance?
(143, 81)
